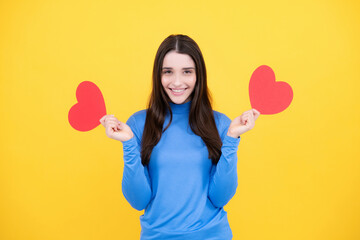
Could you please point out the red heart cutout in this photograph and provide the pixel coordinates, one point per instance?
(266, 95)
(85, 114)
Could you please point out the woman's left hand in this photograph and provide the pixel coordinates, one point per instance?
(243, 123)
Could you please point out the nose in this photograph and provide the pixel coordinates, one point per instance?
(177, 80)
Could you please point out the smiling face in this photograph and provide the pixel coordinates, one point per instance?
(178, 76)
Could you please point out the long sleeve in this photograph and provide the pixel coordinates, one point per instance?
(223, 178)
(179, 170)
(136, 185)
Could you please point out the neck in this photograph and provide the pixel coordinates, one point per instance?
(180, 108)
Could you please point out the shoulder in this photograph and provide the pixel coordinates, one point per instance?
(137, 120)
(221, 118)
(222, 123)
(139, 115)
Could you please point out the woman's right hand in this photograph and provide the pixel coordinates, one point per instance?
(115, 129)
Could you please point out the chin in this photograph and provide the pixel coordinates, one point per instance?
(178, 101)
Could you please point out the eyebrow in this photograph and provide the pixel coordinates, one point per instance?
(182, 68)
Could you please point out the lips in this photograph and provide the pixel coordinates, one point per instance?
(177, 91)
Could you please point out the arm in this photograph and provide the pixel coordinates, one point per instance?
(223, 177)
(136, 185)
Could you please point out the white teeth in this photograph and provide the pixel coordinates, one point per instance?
(177, 90)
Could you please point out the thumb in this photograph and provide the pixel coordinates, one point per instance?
(256, 113)
(121, 125)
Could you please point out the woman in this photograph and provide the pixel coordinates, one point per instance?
(180, 156)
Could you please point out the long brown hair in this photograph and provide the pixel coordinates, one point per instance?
(201, 118)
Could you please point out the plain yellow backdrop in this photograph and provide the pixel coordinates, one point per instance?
(299, 170)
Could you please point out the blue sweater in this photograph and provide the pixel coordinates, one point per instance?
(182, 192)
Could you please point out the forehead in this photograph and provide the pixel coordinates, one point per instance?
(177, 60)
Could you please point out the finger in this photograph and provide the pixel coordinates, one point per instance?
(237, 119)
(110, 116)
(112, 125)
(122, 125)
(110, 119)
(244, 120)
(247, 115)
(251, 122)
(102, 120)
(109, 131)
(111, 122)
(248, 111)
(251, 115)
(111, 128)
(256, 113)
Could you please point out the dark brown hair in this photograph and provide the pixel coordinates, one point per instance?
(201, 118)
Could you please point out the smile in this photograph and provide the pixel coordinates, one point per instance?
(177, 91)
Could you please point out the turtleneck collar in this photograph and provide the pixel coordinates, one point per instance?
(180, 108)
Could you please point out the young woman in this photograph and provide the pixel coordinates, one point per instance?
(180, 156)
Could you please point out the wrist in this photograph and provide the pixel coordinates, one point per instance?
(232, 134)
(126, 140)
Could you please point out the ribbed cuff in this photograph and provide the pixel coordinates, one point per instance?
(130, 142)
(231, 141)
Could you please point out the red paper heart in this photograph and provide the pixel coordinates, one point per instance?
(266, 95)
(85, 115)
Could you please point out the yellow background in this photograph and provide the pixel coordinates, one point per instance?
(299, 170)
